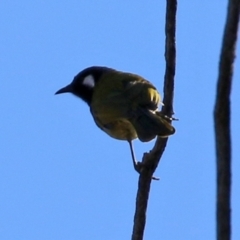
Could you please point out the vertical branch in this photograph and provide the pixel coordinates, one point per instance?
(222, 121)
(170, 57)
(151, 160)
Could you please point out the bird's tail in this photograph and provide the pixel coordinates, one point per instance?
(148, 125)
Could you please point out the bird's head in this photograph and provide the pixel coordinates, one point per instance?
(84, 82)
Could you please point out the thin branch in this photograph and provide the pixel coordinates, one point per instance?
(151, 160)
(222, 116)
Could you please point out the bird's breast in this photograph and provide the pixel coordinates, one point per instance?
(118, 128)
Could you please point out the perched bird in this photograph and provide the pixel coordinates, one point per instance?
(124, 105)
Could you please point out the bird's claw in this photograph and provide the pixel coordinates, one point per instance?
(160, 114)
(138, 168)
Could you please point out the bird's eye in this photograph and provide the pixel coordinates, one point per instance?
(89, 81)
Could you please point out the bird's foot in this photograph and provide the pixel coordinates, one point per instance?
(138, 166)
(160, 114)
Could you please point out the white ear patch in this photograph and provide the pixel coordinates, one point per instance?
(89, 81)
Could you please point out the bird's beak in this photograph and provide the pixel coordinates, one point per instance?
(66, 89)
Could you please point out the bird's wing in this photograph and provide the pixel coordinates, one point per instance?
(118, 93)
(144, 99)
(141, 93)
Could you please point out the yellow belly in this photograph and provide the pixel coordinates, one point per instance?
(120, 129)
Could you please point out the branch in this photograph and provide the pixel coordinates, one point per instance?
(151, 160)
(222, 121)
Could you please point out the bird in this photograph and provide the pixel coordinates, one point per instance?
(124, 105)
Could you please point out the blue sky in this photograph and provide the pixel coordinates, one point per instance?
(63, 178)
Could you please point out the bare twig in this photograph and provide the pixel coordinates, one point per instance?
(151, 160)
(222, 121)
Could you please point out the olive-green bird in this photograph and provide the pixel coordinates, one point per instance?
(124, 105)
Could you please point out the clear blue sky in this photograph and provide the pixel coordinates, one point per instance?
(63, 178)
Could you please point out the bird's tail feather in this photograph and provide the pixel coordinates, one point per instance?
(148, 125)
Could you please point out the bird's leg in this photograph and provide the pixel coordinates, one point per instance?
(135, 163)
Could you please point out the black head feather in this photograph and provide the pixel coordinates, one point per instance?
(81, 90)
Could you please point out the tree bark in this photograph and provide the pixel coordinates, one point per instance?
(222, 119)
